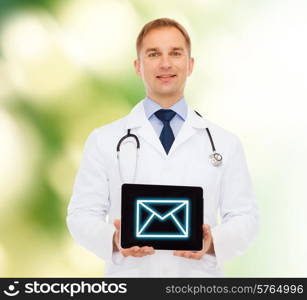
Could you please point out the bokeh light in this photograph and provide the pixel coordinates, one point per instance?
(38, 65)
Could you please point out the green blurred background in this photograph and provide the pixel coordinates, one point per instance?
(66, 67)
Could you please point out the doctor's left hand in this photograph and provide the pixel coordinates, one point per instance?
(208, 247)
(135, 251)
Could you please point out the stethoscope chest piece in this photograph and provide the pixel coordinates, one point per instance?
(216, 159)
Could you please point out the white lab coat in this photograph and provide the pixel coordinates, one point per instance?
(96, 198)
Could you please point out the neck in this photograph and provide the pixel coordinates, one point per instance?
(165, 102)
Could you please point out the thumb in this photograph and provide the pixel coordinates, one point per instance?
(206, 231)
(116, 223)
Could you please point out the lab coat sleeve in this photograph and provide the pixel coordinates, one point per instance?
(89, 204)
(239, 216)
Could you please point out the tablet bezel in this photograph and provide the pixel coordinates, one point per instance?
(131, 192)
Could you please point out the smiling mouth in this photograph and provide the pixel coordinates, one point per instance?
(165, 79)
(165, 76)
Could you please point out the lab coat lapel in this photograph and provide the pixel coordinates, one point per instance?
(148, 133)
(192, 123)
(137, 120)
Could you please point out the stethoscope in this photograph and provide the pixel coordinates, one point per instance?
(215, 158)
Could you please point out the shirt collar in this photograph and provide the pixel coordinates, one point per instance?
(180, 108)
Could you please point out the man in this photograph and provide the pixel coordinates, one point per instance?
(174, 152)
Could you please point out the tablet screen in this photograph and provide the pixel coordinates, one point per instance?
(165, 217)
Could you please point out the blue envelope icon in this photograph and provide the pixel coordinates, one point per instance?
(162, 218)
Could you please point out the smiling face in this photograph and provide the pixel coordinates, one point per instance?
(164, 65)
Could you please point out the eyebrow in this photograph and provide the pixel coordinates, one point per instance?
(157, 49)
(151, 49)
(177, 48)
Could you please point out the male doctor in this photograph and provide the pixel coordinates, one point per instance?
(174, 151)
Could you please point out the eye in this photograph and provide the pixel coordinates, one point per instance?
(176, 53)
(153, 54)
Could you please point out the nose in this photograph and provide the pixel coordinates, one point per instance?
(165, 62)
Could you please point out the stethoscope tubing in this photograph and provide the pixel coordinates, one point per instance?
(215, 158)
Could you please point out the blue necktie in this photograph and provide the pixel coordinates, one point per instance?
(167, 136)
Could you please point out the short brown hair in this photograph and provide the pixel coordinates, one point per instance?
(158, 23)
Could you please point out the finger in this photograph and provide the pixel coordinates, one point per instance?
(178, 253)
(129, 251)
(183, 254)
(144, 251)
(197, 255)
(206, 231)
(125, 252)
(151, 250)
(139, 251)
(137, 254)
(135, 249)
(132, 253)
(116, 223)
(148, 250)
(187, 254)
(116, 240)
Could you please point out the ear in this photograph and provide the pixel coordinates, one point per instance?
(137, 67)
(191, 65)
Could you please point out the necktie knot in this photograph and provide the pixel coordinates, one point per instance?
(165, 115)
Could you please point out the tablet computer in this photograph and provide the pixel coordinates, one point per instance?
(166, 217)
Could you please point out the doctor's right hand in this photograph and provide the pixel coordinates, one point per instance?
(135, 251)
